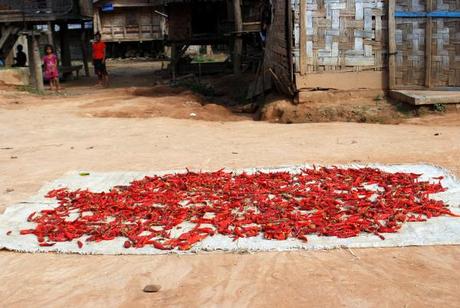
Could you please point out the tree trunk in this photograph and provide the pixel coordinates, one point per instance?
(35, 63)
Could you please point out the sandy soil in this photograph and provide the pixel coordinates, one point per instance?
(43, 138)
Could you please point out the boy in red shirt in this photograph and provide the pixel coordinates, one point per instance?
(99, 56)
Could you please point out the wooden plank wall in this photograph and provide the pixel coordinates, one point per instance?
(131, 24)
(180, 21)
(86, 8)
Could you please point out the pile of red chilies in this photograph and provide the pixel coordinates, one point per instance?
(279, 205)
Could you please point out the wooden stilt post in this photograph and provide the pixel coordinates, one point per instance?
(428, 42)
(303, 37)
(50, 33)
(391, 45)
(35, 63)
(174, 55)
(84, 49)
(238, 45)
(66, 59)
(65, 47)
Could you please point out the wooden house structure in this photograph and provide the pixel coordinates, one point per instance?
(26, 16)
(212, 22)
(395, 44)
(345, 44)
(129, 20)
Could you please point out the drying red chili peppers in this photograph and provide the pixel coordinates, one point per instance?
(180, 210)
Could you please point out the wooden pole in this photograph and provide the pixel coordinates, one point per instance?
(35, 63)
(174, 55)
(391, 45)
(238, 45)
(97, 21)
(428, 43)
(84, 49)
(303, 37)
(66, 59)
(49, 33)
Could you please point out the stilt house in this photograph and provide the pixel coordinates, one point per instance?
(23, 16)
(345, 44)
(129, 20)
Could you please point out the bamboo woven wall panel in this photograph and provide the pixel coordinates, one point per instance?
(410, 46)
(445, 59)
(445, 45)
(344, 34)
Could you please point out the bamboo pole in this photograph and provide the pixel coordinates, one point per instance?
(303, 37)
(391, 45)
(428, 43)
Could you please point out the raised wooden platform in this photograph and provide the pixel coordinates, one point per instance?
(424, 97)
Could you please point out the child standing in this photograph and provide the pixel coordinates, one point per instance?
(21, 58)
(99, 56)
(50, 62)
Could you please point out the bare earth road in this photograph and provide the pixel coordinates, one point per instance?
(42, 139)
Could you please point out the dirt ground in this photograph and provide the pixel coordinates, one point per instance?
(42, 138)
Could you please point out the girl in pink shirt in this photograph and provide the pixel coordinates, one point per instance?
(50, 62)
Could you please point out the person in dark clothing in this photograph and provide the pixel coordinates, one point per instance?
(21, 58)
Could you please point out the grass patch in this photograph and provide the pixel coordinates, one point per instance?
(202, 59)
(198, 87)
(439, 108)
(30, 89)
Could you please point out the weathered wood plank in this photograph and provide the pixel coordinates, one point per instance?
(428, 44)
(422, 97)
(303, 37)
(238, 44)
(391, 45)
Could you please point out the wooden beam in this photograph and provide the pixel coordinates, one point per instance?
(238, 45)
(303, 37)
(50, 33)
(428, 44)
(391, 45)
(6, 32)
(66, 58)
(84, 49)
(97, 21)
(174, 60)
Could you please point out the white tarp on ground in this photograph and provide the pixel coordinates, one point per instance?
(436, 231)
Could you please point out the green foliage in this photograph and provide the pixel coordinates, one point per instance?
(439, 108)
